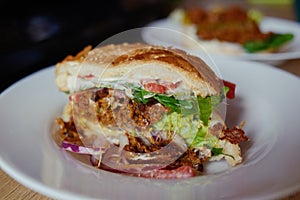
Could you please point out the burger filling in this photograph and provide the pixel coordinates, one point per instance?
(152, 125)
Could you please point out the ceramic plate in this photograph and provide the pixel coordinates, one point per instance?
(266, 98)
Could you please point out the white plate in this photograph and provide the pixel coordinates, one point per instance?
(267, 98)
(277, 25)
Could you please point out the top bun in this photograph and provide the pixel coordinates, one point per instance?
(132, 63)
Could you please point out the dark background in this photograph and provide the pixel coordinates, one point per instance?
(38, 34)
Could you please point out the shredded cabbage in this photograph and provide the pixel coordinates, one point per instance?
(189, 127)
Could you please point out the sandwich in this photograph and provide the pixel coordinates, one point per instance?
(146, 110)
(230, 30)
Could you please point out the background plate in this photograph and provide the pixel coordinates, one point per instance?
(277, 25)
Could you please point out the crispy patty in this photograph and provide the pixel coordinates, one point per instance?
(115, 109)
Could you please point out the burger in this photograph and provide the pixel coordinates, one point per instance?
(146, 110)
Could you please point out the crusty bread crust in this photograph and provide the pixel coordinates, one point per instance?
(116, 61)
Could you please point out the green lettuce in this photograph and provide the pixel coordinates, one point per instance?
(219, 151)
(175, 105)
(189, 127)
(202, 106)
(272, 43)
(206, 107)
(203, 138)
(186, 126)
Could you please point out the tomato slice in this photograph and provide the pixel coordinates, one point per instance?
(154, 87)
(231, 93)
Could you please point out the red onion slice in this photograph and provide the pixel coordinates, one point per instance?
(81, 149)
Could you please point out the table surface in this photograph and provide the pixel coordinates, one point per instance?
(11, 189)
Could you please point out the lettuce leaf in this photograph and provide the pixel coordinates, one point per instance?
(206, 107)
(187, 106)
(273, 43)
(202, 106)
(186, 126)
(219, 151)
(189, 127)
(203, 138)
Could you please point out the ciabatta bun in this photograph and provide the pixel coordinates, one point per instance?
(134, 62)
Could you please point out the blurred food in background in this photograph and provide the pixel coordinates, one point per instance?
(233, 25)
